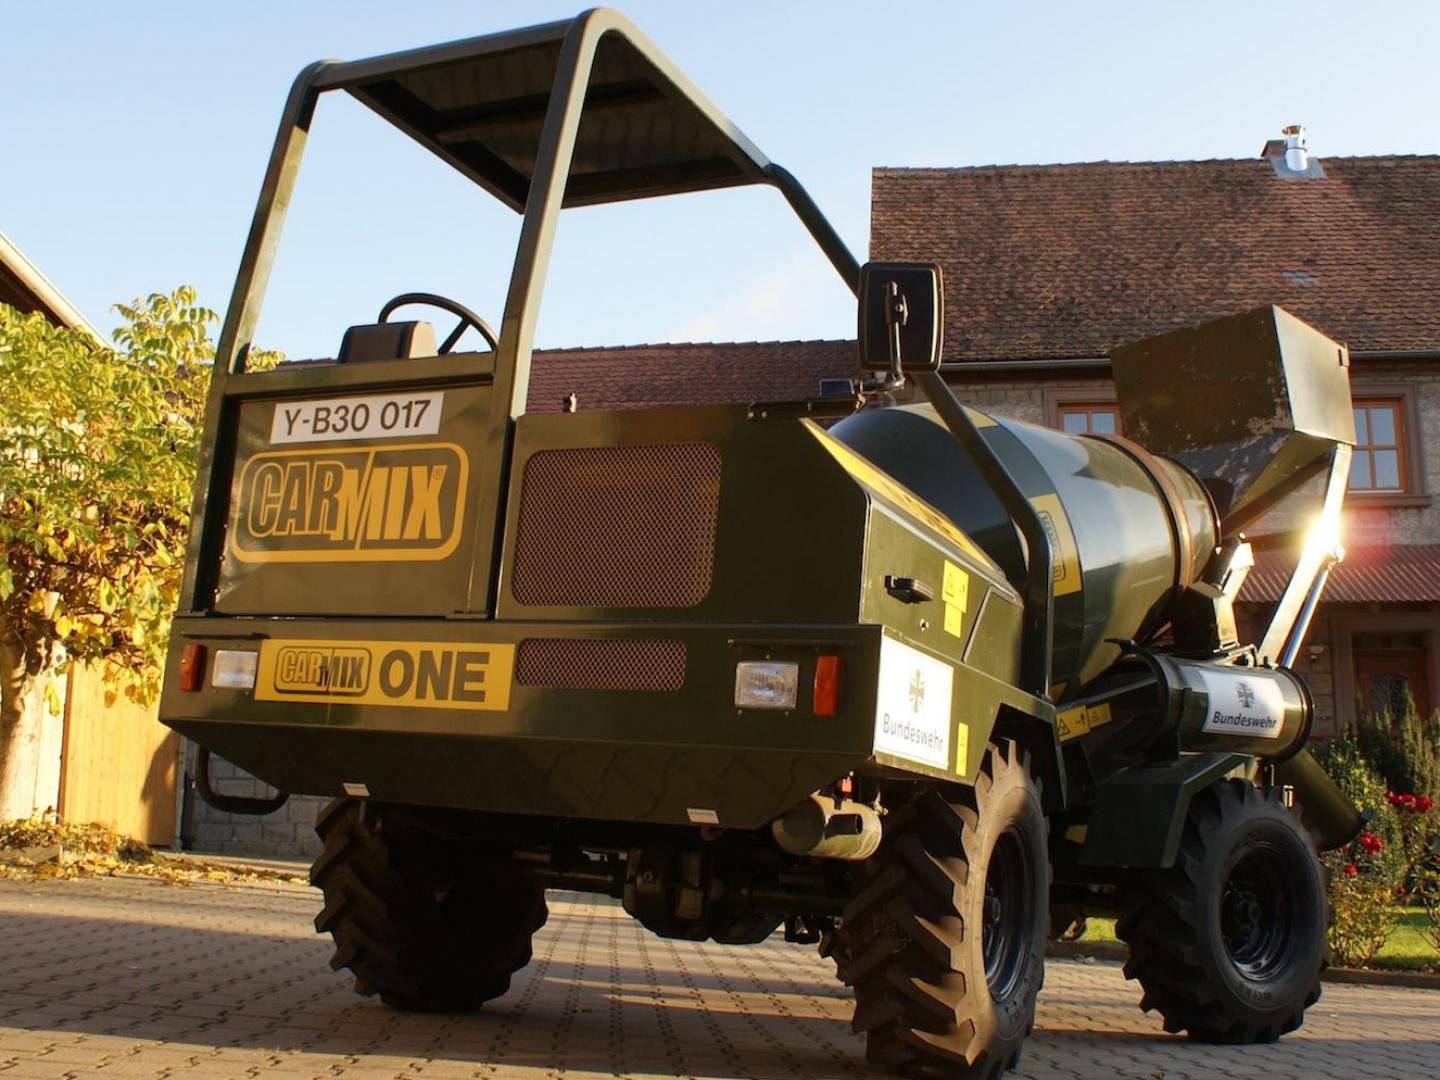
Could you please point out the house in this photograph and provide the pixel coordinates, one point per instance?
(1048, 267)
(25, 288)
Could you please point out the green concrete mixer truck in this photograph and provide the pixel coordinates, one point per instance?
(873, 670)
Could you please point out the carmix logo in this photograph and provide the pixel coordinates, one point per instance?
(362, 505)
(414, 674)
(338, 670)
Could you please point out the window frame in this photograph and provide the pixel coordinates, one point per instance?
(1412, 490)
(1059, 399)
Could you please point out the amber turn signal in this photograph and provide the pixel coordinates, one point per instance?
(192, 667)
(827, 685)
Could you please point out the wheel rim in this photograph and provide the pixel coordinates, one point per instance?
(1258, 904)
(1005, 919)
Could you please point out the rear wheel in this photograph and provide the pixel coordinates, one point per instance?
(427, 928)
(944, 943)
(1229, 943)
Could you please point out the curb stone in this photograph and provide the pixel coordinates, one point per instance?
(1420, 980)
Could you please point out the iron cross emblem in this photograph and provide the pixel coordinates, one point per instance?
(917, 692)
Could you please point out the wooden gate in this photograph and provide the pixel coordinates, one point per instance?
(118, 763)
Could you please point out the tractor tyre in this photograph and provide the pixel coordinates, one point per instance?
(1229, 943)
(427, 928)
(944, 941)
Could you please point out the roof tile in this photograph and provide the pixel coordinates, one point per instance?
(1051, 261)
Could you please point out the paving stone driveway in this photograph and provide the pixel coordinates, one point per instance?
(133, 978)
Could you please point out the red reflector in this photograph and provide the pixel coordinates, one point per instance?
(827, 685)
(192, 667)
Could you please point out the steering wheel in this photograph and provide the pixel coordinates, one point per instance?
(467, 317)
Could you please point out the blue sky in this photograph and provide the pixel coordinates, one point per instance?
(136, 135)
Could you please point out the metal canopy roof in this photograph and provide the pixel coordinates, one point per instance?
(481, 104)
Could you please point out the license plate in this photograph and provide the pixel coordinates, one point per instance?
(379, 416)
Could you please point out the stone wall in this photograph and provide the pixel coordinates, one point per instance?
(287, 833)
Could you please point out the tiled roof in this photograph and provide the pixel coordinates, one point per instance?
(1051, 261)
(1369, 575)
(636, 376)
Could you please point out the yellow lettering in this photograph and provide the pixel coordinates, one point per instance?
(324, 498)
(265, 499)
(424, 516)
(370, 516)
(291, 517)
(395, 502)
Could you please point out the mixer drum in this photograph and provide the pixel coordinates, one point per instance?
(1128, 530)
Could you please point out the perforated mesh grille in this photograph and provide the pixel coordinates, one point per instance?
(618, 526)
(600, 664)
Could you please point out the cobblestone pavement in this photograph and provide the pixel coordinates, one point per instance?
(133, 978)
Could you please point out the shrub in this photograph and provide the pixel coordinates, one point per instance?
(1404, 749)
(1366, 873)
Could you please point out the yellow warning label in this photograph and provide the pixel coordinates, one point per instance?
(1081, 720)
(1072, 723)
(962, 748)
(955, 587)
(414, 674)
(1062, 543)
(954, 620)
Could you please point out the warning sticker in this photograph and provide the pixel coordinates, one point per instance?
(954, 620)
(955, 588)
(415, 674)
(912, 716)
(1081, 720)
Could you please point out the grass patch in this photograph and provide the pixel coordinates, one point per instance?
(1411, 946)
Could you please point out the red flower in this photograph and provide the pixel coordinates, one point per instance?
(1423, 804)
(1407, 801)
(1351, 869)
(1392, 798)
(1371, 843)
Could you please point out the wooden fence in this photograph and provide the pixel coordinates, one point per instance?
(118, 763)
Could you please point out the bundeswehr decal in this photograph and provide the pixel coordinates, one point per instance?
(912, 713)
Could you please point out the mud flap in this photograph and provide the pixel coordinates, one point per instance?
(1140, 812)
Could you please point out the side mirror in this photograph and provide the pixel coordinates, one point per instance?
(902, 308)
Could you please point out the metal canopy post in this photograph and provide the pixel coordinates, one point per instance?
(1292, 614)
(377, 82)
(240, 319)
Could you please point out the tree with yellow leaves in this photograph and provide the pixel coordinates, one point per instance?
(97, 460)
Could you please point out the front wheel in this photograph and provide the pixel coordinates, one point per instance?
(944, 941)
(1229, 943)
(427, 927)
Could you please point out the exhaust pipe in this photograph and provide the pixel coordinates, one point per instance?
(826, 828)
(1324, 809)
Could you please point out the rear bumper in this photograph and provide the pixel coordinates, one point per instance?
(496, 716)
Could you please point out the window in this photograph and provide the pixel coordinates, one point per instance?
(1379, 461)
(1090, 418)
